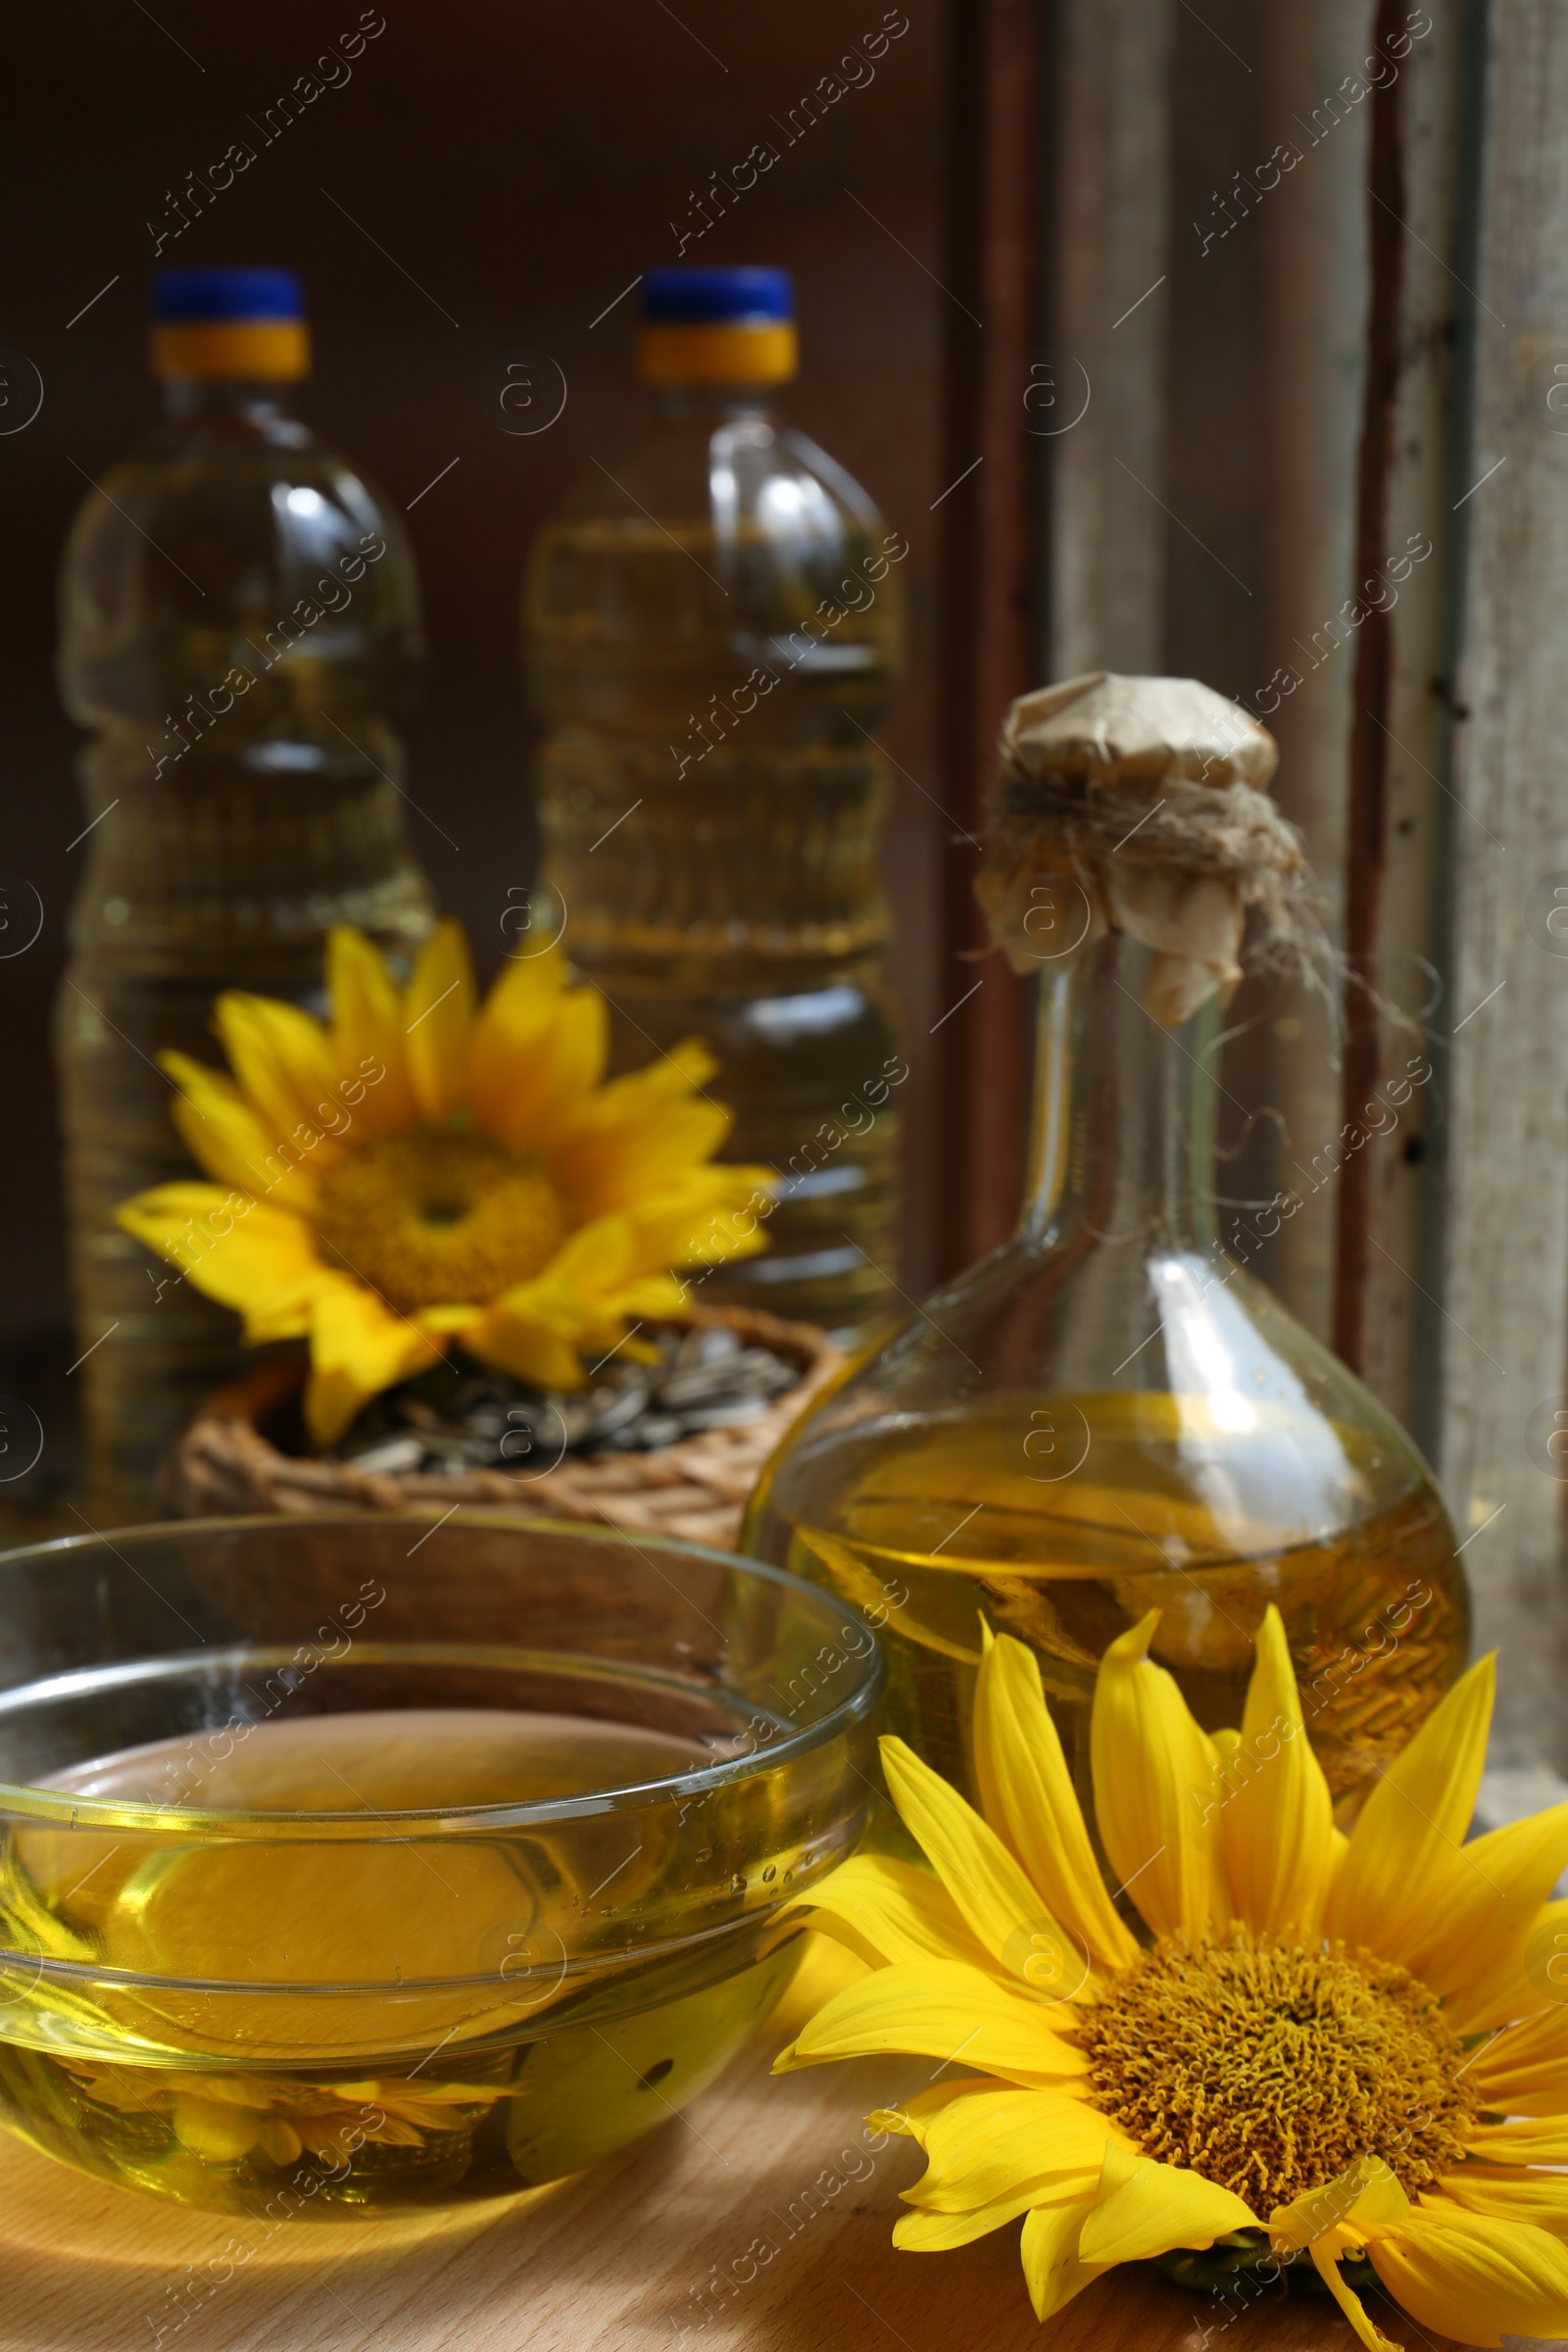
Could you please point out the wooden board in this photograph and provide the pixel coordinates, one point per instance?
(1503, 1281)
(724, 2229)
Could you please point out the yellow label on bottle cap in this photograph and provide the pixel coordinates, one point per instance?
(765, 354)
(273, 349)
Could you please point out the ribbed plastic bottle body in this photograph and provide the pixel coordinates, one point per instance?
(713, 633)
(240, 620)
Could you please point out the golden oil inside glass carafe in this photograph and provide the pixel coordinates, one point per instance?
(1109, 1416)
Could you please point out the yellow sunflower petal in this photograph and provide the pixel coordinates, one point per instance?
(366, 1039)
(672, 1074)
(1002, 2144)
(1002, 1906)
(1476, 2277)
(510, 1056)
(580, 1043)
(524, 993)
(239, 1252)
(1543, 2140)
(1049, 2246)
(1484, 1898)
(600, 1258)
(959, 2225)
(531, 1081)
(1522, 2068)
(941, 2233)
(450, 1319)
(650, 1297)
(1340, 2217)
(589, 1298)
(888, 1911)
(1413, 1823)
(358, 1349)
(1366, 2198)
(516, 1014)
(639, 1134)
(281, 1061)
(1028, 1798)
(1145, 2209)
(226, 1139)
(1276, 1817)
(942, 2010)
(711, 1218)
(437, 1015)
(516, 1339)
(923, 2233)
(1507, 2194)
(1366, 2330)
(914, 2119)
(1520, 1980)
(1155, 1777)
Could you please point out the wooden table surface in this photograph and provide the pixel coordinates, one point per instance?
(769, 2186)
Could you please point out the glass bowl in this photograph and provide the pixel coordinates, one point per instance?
(355, 1862)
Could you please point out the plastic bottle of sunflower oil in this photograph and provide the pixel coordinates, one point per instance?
(712, 625)
(240, 620)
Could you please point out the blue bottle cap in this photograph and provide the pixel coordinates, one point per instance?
(213, 297)
(717, 297)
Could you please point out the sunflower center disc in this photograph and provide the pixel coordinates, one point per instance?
(438, 1220)
(1270, 2068)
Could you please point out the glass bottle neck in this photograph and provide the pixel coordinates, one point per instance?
(714, 403)
(242, 398)
(1122, 1148)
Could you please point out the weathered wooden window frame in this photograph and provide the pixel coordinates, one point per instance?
(1376, 365)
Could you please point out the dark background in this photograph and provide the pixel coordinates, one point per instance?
(513, 170)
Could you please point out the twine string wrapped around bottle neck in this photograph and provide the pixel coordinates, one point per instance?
(1137, 805)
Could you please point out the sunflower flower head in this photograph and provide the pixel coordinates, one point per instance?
(420, 1170)
(1349, 2051)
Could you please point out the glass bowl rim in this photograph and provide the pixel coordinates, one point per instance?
(25, 1802)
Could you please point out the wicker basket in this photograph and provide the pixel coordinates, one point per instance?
(224, 1464)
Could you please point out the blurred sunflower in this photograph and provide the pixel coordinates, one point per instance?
(419, 1171)
(1346, 2049)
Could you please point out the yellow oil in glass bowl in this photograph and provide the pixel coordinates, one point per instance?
(385, 1915)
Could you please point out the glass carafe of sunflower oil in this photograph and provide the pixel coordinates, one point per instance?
(239, 622)
(712, 626)
(1108, 1416)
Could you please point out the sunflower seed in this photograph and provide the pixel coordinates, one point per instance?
(392, 1456)
(754, 1372)
(457, 1419)
(488, 1419)
(727, 1416)
(577, 1421)
(618, 1411)
(658, 1429)
(711, 1347)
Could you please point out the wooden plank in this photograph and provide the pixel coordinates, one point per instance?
(1109, 326)
(1368, 842)
(1267, 308)
(990, 590)
(1201, 509)
(1399, 806)
(1503, 1282)
(1305, 380)
(760, 2218)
